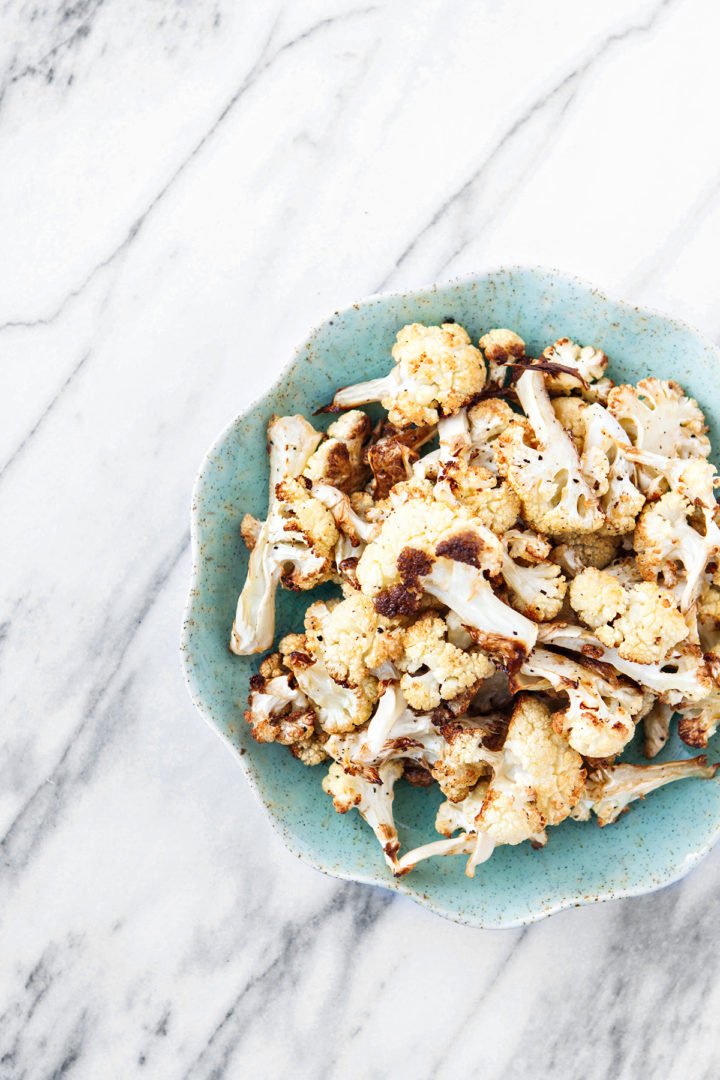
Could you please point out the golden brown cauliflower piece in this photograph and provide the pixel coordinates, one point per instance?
(641, 620)
(352, 639)
(437, 371)
(451, 671)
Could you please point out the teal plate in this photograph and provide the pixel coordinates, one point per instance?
(658, 841)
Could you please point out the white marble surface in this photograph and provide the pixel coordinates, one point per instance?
(184, 189)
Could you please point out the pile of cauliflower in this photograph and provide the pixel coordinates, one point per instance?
(514, 601)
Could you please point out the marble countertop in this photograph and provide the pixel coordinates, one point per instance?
(185, 189)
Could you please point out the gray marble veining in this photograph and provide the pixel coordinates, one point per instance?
(185, 189)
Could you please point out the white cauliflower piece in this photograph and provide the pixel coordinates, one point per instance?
(437, 371)
(372, 801)
(588, 362)
(656, 727)
(462, 480)
(537, 588)
(486, 421)
(451, 671)
(658, 417)
(610, 790)
(536, 783)
(544, 469)
(611, 473)
(295, 544)
(352, 639)
(667, 537)
(577, 553)
(694, 478)
(570, 411)
(339, 458)
(642, 621)
(600, 717)
(682, 676)
(338, 708)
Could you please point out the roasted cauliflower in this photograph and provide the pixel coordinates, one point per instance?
(508, 609)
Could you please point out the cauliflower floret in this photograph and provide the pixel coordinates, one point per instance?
(600, 718)
(463, 481)
(451, 671)
(694, 478)
(437, 372)
(486, 421)
(577, 553)
(535, 590)
(610, 790)
(352, 639)
(418, 524)
(305, 515)
(393, 455)
(658, 417)
(590, 364)
(453, 751)
(312, 752)
(338, 708)
(536, 783)
(698, 721)
(570, 411)
(413, 556)
(278, 711)
(605, 463)
(295, 544)
(339, 459)
(681, 676)
(650, 626)
(597, 597)
(500, 347)
(372, 801)
(555, 495)
(666, 536)
(642, 620)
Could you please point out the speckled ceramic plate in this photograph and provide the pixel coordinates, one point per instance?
(658, 841)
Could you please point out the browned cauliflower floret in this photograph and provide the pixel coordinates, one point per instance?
(339, 458)
(338, 708)
(610, 789)
(536, 587)
(658, 417)
(588, 362)
(600, 717)
(486, 421)
(462, 480)
(668, 542)
(436, 372)
(352, 639)
(536, 783)
(392, 455)
(426, 547)
(293, 546)
(500, 347)
(278, 711)
(372, 800)
(544, 467)
(306, 516)
(450, 671)
(610, 472)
